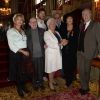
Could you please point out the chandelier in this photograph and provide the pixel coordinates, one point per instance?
(5, 10)
(6, 1)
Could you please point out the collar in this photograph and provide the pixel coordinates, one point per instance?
(39, 20)
(87, 24)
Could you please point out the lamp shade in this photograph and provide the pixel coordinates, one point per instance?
(96, 0)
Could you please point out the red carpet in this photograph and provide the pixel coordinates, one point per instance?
(72, 95)
(7, 93)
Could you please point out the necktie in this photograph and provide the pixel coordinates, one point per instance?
(83, 27)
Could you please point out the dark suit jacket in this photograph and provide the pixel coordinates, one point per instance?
(58, 29)
(92, 40)
(30, 42)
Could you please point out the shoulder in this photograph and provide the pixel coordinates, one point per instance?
(11, 31)
(46, 33)
(97, 23)
(27, 31)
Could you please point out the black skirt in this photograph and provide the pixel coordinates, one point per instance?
(20, 67)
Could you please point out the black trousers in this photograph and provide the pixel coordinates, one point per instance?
(38, 64)
(16, 69)
(69, 67)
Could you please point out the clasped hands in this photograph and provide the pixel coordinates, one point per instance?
(63, 42)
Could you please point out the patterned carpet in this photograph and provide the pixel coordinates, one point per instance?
(61, 93)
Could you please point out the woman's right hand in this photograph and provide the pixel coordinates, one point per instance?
(45, 46)
(26, 53)
(64, 42)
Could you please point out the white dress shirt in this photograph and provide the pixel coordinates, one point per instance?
(87, 24)
(41, 24)
(16, 40)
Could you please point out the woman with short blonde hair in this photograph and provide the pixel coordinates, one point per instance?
(17, 44)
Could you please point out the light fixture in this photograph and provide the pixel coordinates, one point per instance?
(1, 24)
(5, 11)
(96, 1)
(6, 1)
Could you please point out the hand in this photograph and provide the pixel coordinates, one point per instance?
(45, 46)
(98, 56)
(60, 44)
(26, 53)
(64, 42)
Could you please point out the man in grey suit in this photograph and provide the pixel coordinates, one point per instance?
(35, 45)
(88, 48)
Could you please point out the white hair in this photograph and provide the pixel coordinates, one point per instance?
(50, 20)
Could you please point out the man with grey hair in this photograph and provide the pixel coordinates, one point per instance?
(88, 48)
(35, 45)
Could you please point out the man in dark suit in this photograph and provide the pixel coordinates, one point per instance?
(88, 48)
(59, 22)
(35, 45)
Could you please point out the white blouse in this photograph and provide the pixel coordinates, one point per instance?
(41, 24)
(16, 40)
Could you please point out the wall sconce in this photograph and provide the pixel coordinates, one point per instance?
(6, 1)
(1, 24)
(96, 1)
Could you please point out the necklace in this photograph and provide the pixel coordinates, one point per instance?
(21, 32)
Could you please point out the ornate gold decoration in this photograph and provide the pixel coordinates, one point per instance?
(5, 11)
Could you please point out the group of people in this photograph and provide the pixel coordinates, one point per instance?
(53, 45)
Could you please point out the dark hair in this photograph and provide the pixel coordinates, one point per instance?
(41, 9)
(68, 15)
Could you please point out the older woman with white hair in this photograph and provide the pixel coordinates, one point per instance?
(53, 56)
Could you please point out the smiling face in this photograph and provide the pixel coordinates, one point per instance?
(33, 23)
(57, 18)
(86, 15)
(41, 15)
(18, 21)
(52, 25)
